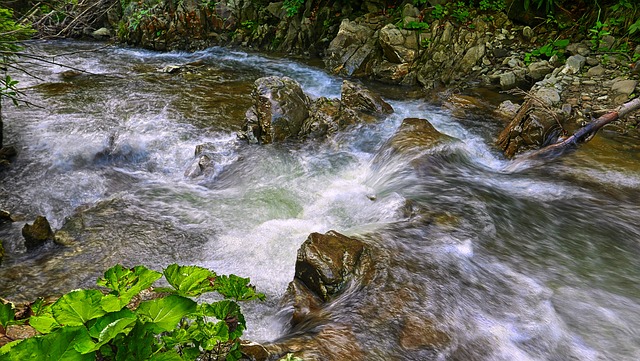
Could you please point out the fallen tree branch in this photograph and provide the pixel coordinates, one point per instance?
(583, 134)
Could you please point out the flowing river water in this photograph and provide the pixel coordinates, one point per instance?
(540, 263)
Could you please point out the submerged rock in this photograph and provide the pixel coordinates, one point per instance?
(38, 233)
(414, 134)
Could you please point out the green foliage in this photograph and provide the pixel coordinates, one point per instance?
(89, 325)
(492, 5)
(416, 25)
(125, 284)
(137, 17)
(597, 32)
(547, 51)
(11, 33)
(292, 7)
(460, 12)
(7, 314)
(439, 12)
(634, 29)
(419, 2)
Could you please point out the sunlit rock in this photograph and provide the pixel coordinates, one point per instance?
(37, 233)
(327, 262)
(353, 49)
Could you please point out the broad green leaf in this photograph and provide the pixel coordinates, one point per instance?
(125, 284)
(229, 312)
(107, 327)
(44, 324)
(138, 345)
(4, 350)
(190, 353)
(7, 314)
(165, 313)
(166, 356)
(189, 281)
(103, 323)
(77, 307)
(215, 333)
(113, 303)
(56, 346)
(42, 319)
(561, 43)
(38, 307)
(236, 287)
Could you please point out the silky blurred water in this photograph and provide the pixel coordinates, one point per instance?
(535, 262)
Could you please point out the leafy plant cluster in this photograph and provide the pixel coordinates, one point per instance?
(90, 325)
(11, 33)
(547, 51)
(292, 7)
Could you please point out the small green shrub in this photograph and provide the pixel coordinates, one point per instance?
(416, 25)
(89, 325)
(439, 12)
(547, 51)
(461, 12)
(292, 7)
(597, 32)
(492, 5)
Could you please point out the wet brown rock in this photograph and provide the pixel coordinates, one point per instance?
(254, 351)
(415, 134)
(37, 233)
(331, 342)
(531, 130)
(304, 301)
(327, 262)
(357, 97)
(419, 332)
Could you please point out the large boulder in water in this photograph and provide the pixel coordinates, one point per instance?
(37, 233)
(344, 285)
(279, 109)
(327, 262)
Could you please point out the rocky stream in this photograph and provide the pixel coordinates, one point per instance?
(422, 241)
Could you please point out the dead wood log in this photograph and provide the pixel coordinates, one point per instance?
(583, 134)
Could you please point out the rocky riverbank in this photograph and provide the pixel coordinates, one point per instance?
(413, 46)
